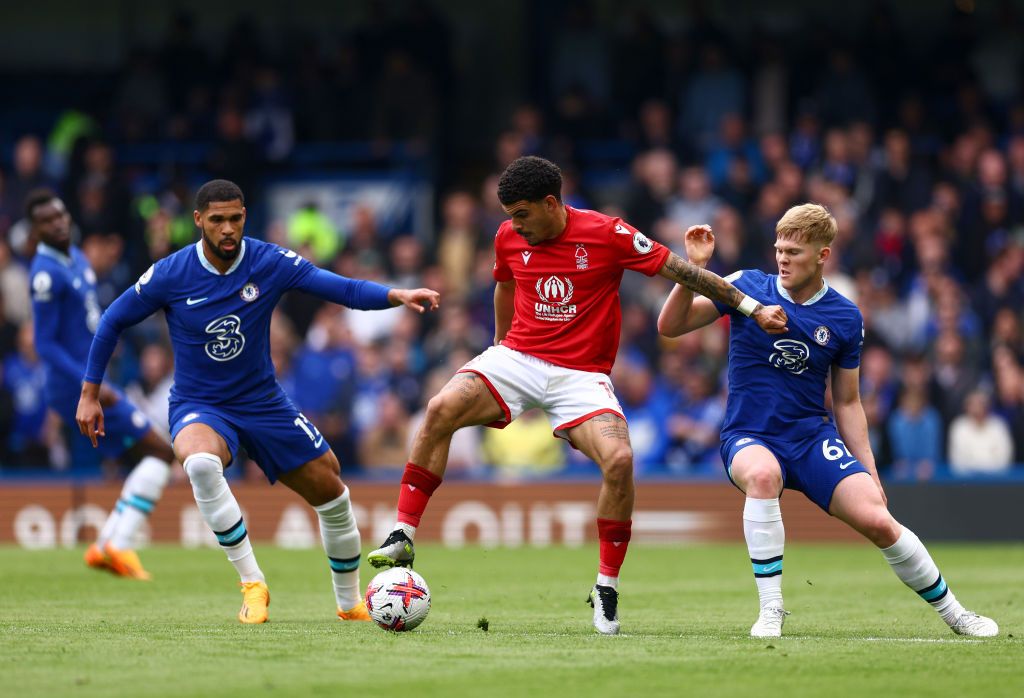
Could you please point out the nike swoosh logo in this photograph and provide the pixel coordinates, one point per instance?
(772, 567)
(844, 466)
(193, 301)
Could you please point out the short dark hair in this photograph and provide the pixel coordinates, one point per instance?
(217, 190)
(529, 178)
(36, 198)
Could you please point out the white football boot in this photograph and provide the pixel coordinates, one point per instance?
(973, 625)
(605, 601)
(769, 621)
(396, 551)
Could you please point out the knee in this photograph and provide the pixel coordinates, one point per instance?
(763, 483)
(203, 468)
(441, 415)
(879, 527)
(617, 468)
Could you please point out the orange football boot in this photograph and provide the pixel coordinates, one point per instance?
(255, 599)
(357, 612)
(95, 558)
(125, 563)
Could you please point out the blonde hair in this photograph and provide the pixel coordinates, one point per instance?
(807, 223)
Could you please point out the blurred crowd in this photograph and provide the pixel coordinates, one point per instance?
(918, 154)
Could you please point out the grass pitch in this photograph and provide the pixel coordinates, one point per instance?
(855, 629)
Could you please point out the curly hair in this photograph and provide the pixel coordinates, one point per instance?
(218, 190)
(529, 178)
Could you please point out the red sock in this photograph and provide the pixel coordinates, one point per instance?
(417, 486)
(614, 538)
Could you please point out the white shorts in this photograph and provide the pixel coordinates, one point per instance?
(520, 382)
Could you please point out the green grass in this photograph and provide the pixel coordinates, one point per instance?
(855, 629)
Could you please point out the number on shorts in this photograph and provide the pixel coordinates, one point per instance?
(835, 452)
(311, 431)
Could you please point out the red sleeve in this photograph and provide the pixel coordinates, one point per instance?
(502, 271)
(637, 251)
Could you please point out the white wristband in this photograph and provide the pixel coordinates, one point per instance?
(747, 306)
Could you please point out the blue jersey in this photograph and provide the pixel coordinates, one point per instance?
(65, 315)
(777, 382)
(220, 323)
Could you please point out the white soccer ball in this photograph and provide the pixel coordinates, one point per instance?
(398, 599)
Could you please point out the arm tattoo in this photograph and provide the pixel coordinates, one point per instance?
(700, 280)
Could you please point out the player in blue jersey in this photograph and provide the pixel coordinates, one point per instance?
(66, 314)
(778, 432)
(218, 296)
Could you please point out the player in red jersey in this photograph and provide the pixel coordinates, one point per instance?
(557, 319)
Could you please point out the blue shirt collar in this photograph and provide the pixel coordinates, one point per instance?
(810, 301)
(44, 249)
(212, 269)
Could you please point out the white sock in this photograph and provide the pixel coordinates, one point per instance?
(766, 539)
(221, 513)
(111, 523)
(408, 529)
(606, 581)
(140, 494)
(911, 562)
(340, 534)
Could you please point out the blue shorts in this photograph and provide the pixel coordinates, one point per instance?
(123, 422)
(273, 431)
(814, 465)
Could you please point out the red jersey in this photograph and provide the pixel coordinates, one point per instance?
(567, 289)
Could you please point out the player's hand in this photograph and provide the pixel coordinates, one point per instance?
(700, 244)
(418, 299)
(90, 416)
(771, 319)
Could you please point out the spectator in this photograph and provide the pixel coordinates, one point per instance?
(383, 444)
(459, 240)
(309, 226)
(151, 391)
(979, 442)
(27, 175)
(915, 436)
(23, 378)
(524, 449)
(715, 90)
(694, 424)
(695, 203)
(16, 306)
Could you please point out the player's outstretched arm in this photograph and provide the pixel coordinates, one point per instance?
(851, 421)
(504, 308)
(771, 319)
(129, 309)
(366, 295)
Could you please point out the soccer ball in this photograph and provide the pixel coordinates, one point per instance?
(398, 599)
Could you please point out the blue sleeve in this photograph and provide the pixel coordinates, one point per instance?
(742, 280)
(849, 354)
(46, 293)
(129, 309)
(357, 294)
